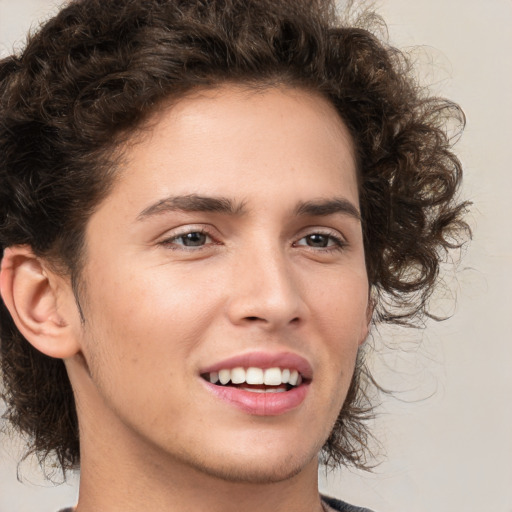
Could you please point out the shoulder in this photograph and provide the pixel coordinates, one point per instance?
(341, 506)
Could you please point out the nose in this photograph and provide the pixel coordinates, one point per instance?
(265, 291)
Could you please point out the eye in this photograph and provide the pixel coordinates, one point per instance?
(194, 239)
(321, 241)
(189, 240)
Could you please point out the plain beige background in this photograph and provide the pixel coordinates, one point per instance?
(451, 452)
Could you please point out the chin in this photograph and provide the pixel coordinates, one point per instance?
(257, 466)
(259, 472)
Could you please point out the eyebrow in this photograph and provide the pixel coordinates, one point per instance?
(324, 207)
(193, 203)
(224, 205)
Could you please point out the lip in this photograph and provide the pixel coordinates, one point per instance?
(262, 404)
(264, 360)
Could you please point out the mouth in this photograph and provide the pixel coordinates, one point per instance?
(260, 383)
(257, 380)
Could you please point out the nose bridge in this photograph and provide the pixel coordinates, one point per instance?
(265, 288)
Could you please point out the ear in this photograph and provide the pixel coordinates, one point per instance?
(40, 302)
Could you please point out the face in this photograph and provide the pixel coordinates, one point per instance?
(225, 291)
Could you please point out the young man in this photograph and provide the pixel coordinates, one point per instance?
(204, 204)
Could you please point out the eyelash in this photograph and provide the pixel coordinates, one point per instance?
(338, 244)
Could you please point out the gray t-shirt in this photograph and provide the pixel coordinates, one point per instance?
(340, 506)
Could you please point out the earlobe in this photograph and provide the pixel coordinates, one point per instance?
(31, 293)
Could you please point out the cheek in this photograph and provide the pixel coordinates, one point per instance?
(341, 308)
(137, 340)
(149, 315)
(340, 315)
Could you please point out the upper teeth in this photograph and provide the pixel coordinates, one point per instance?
(252, 375)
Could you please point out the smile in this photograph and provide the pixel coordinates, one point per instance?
(259, 383)
(257, 380)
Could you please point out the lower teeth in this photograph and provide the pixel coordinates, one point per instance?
(268, 390)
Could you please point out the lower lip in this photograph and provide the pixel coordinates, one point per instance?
(260, 404)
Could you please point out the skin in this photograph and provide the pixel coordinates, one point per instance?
(157, 311)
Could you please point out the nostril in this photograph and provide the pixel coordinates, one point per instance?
(293, 321)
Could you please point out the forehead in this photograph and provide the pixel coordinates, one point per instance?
(215, 142)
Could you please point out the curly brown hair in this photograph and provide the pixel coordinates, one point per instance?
(93, 73)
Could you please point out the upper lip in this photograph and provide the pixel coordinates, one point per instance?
(264, 360)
